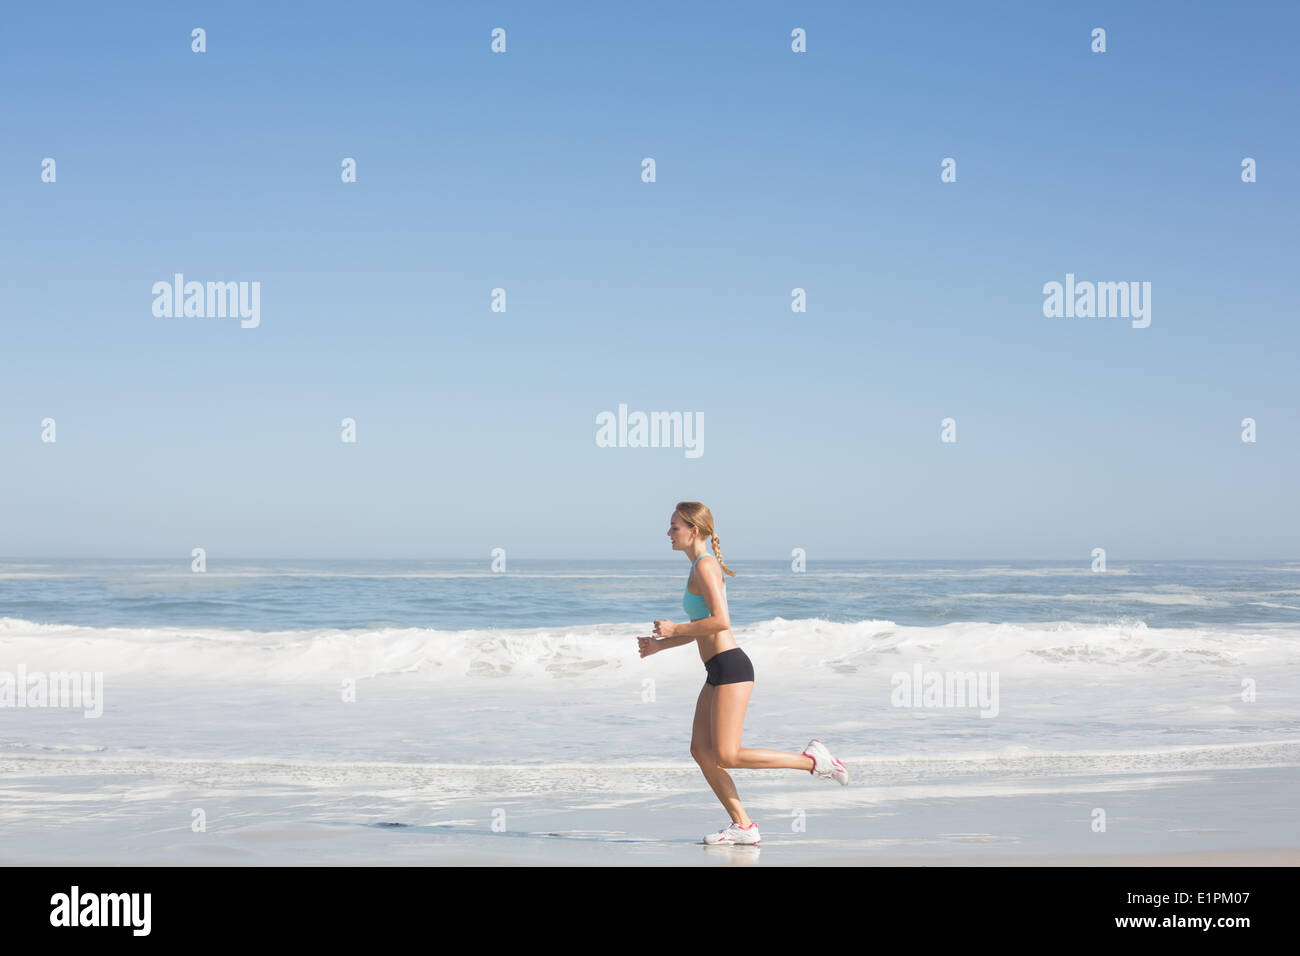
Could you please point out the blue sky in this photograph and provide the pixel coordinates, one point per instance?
(775, 170)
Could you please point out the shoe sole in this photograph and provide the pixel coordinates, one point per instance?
(835, 760)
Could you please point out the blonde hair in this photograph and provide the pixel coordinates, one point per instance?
(695, 514)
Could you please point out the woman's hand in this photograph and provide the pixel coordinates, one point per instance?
(664, 628)
(647, 645)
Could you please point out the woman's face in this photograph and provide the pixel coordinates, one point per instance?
(679, 532)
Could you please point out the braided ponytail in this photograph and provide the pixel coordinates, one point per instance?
(717, 553)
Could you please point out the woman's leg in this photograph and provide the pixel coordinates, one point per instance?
(729, 705)
(706, 755)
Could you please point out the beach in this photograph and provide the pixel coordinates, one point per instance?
(86, 810)
(222, 736)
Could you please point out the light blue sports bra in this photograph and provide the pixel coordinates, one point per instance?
(694, 604)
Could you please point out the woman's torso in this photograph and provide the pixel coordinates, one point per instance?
(696, 607)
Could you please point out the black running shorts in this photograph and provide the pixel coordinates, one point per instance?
(729, 667)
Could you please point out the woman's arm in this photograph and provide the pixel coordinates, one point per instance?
(677, 640)
(680, 634)
(693, 629)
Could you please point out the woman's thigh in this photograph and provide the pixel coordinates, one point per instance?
(729, 704)
(702, 728)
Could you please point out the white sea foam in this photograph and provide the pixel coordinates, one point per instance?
(1002, 763)
(785, 647)
(1188, 598)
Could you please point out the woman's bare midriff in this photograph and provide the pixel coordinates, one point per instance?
(713, 644)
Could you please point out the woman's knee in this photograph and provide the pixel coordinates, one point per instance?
(729, 758)
(705, 757)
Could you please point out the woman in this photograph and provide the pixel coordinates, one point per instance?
(720, 710)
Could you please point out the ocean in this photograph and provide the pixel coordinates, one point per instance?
(429, 695)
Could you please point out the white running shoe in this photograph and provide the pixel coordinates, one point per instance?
(825, 764)
(735, 834)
